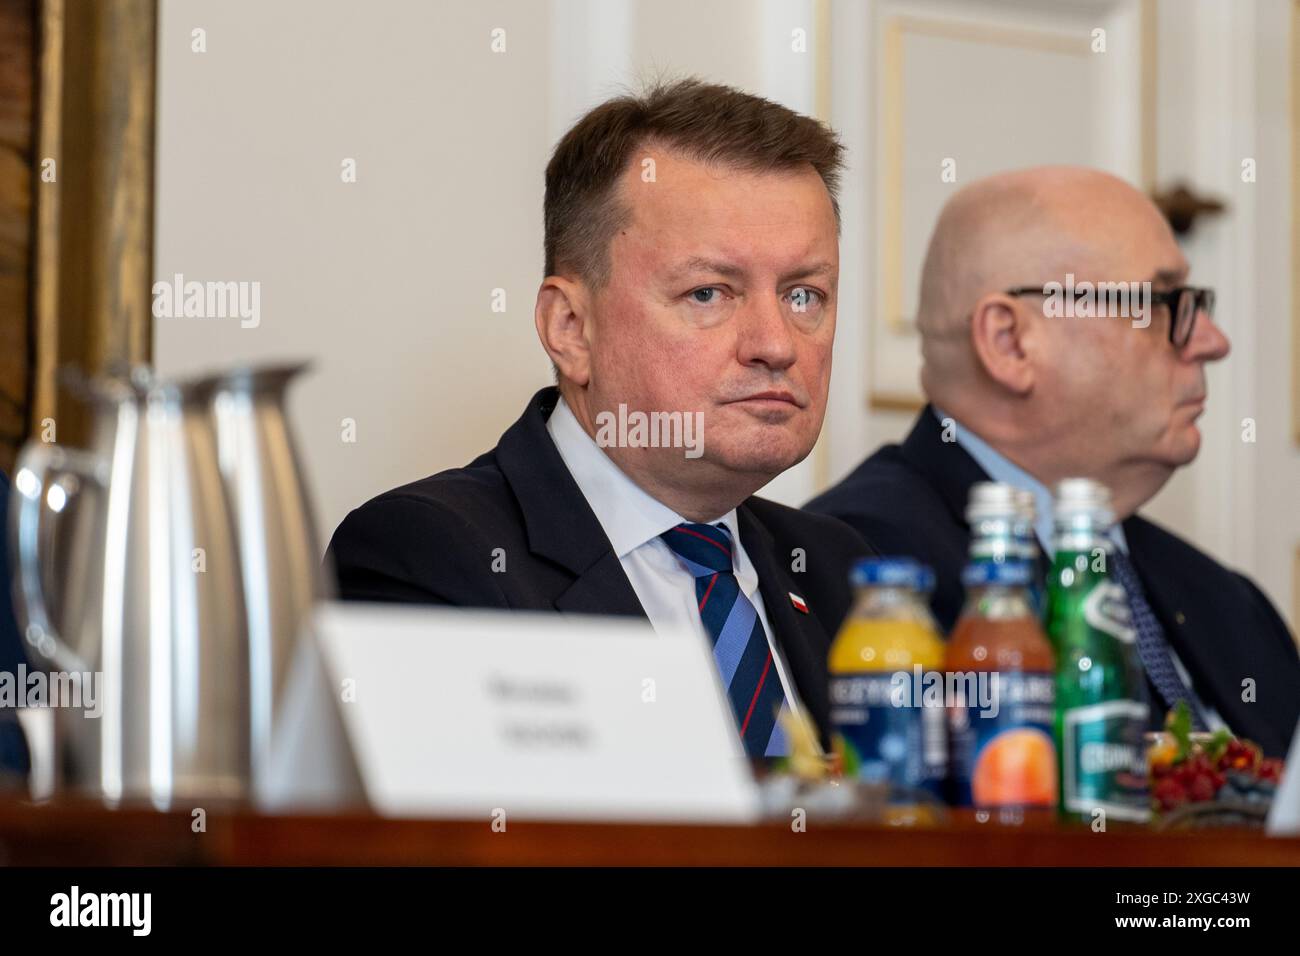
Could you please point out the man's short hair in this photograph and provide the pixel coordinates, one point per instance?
(703, 121)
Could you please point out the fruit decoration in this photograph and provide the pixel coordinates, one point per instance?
(1214, 779)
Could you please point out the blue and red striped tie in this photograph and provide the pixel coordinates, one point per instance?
(740, 646)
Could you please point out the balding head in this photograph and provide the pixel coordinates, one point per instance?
(1024, 227)
(1070, 396)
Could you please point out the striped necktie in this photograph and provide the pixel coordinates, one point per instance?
(1153, 648)
(740, 646)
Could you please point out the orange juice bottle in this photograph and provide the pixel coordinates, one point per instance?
(882, 729)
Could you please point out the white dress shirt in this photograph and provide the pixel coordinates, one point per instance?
(633, 522)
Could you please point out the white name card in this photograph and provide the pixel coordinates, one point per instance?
(477, 714)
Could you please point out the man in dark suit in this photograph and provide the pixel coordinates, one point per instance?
(689, 310)
(1024, 395)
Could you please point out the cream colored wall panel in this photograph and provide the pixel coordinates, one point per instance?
(967, 90)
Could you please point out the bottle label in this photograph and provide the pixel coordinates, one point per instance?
(882, 743)
(1106, 609)
(1005, 756)
(1102, 759)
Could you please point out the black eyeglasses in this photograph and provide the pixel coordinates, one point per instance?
(1184, 303)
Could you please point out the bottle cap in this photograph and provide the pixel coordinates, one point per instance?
(991, 499)
(1083, 498)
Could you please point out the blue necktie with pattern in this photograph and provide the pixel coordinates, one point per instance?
(1153, 649)
(740, 646)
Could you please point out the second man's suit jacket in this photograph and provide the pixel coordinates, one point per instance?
(911, 499)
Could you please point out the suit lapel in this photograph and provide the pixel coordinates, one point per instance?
(947, 465)
(602, 589)
(1191, 626)
(560, 525)
(951, 470)
(801, 638)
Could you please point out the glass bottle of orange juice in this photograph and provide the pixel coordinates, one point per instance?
(884, 732)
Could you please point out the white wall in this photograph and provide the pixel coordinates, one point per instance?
(385, 283)
(1270, 507)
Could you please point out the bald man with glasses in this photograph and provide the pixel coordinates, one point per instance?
(1031, 380)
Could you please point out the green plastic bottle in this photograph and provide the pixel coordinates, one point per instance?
(1101, 705)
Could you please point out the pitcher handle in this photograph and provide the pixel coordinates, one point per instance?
(36, 463)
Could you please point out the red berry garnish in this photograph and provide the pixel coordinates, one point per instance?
(1202, 789)
(1237, 755)
(1169, 793)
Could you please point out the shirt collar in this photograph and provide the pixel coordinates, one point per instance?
(629, 516)
(1000, 468)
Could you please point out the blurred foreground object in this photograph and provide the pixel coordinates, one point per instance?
(1101, 700)
(188, 573)
(497, 716)
(14, 758)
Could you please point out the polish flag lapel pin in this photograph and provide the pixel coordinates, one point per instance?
(799, 603)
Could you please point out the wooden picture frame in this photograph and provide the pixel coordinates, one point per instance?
(18, 68)
(78, 139)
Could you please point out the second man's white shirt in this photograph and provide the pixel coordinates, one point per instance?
(633, 522)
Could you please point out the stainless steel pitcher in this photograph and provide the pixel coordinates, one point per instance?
(184, 579)
(152, 603)
(280, 565)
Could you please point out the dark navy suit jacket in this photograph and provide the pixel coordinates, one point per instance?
(433, 542)
(911, 499)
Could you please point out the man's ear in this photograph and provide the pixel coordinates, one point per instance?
(1003, 338)
(563, 321)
